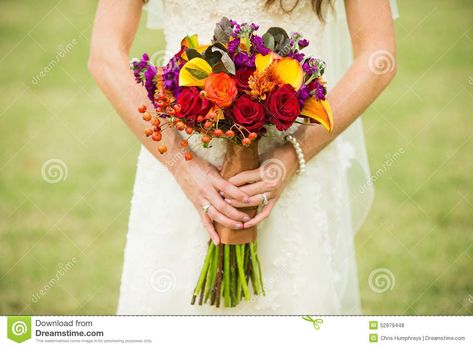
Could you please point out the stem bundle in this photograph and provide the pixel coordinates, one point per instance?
(226, 273)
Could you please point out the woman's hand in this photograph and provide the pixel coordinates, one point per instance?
(269, 180)
(201, 182)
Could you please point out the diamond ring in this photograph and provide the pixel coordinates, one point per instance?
(206, 207)
(264, 199)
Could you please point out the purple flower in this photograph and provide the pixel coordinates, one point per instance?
(302, 94)
(320, 90)
(296, 55)
(303, 43)
(149, 83)
(232, 46)
(243, 60)
(254, 26)
(258, 45)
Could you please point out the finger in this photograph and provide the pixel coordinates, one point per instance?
(222, 219)
(246, 177)
(263, 214)
(228, 189)
(257, 188)
(224, 207)
(253, 201)
(209, 226)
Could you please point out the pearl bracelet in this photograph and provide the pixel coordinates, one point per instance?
(300, 155)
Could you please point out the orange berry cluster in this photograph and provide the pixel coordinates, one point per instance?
(155, 131)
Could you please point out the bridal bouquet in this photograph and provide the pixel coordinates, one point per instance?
(233, 88)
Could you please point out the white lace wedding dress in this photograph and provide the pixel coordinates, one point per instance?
(306, 245)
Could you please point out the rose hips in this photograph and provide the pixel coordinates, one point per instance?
(189, 130)
(148, 131)
(205, 139)
(246, 141)
(200, 118)
(147, 116)
(218, 133)
(208, 125)
(188, 156)
(142, 108)
(252, 136)
(156, 136)
(184, 143)
(162, 149)
(177, 108)
(180, 125)
(229, 133)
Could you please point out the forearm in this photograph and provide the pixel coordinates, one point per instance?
(117, 83)
(357, 89)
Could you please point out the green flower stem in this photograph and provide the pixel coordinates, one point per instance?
(213, 275)
(218, 283)
(226, 275)
(255, 272)
(203, 273)
(240, 251)
(233, 275)
(260, 272)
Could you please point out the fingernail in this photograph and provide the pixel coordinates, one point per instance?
(215, 241)
(238, 226)
(246, 200)
(246, 219)
(222, 194)
(228, 201)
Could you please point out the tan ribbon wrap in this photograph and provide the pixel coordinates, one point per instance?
(239, 158)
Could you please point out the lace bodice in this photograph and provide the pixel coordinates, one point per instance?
(189, 16)
(301, 19)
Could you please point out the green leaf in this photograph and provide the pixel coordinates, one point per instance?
(268, 40)
(198, 74)
(223, 30)
(225, 59)
(193, 53)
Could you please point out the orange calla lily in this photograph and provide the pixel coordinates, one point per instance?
(190, 41)
(320, 111)
(194, 73)
(290, 71)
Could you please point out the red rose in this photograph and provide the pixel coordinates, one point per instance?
(249, 113)
(242, 76)
(283, 106)
(192, 105)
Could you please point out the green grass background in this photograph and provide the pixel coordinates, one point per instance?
(420, 227)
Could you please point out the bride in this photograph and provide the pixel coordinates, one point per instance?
(308, 221)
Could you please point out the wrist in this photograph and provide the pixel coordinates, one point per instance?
(288, 156)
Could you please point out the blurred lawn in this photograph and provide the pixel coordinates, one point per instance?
(420, 228)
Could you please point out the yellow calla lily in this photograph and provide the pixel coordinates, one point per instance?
(320, 111)
(194, 72)
(262, 62)
(290, 71)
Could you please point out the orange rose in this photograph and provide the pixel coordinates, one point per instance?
(221, 89)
